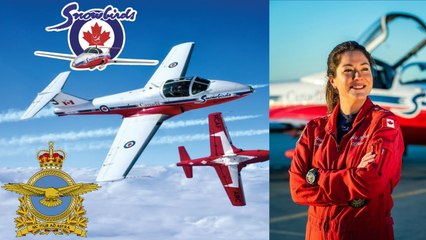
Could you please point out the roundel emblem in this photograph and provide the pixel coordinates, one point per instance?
(173, 64)
(129, 144)
(104, 108)
(97, 33)
(50, 178)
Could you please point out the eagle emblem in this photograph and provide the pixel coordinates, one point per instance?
(51, 201)
(51, 195)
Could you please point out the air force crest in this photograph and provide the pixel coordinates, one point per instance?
(51, 199)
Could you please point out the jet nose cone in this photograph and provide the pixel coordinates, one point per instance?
(251, 88)
(265, 154)
(227, 86)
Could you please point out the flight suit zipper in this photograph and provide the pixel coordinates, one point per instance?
(326, 224)
(339, 145)
(335, 141)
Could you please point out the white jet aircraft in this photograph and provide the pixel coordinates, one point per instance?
(166, 94)
(95, 57)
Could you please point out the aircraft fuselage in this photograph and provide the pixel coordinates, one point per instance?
(90, 60)
(152, 101)
(241, 158)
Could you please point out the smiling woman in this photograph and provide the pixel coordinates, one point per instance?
(350, 77)
(346, 164)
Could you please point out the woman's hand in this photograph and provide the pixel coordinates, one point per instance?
(367, 159)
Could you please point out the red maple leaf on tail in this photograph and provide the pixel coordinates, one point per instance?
(96, 38)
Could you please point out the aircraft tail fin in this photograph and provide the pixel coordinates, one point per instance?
(184, 158)
(66, 100)
(43, 98)
(220, 141)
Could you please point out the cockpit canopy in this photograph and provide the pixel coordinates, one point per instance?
(185, 86)
(93, 50)
(395, 38)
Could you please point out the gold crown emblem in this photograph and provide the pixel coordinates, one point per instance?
(51, 158)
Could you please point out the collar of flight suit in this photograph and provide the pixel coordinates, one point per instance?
(331, 126)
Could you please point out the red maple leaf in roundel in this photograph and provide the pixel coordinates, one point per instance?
(96, 38)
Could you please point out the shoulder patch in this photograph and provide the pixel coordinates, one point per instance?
(380, 109)
(390, 123)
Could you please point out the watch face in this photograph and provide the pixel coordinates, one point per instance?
(310, 177)
(357, 203)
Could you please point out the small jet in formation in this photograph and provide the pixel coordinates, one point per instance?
(94, 58)
(167, 93)
(226, 159)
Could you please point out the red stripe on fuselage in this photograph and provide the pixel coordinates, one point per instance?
(172, 109)
(94, 63)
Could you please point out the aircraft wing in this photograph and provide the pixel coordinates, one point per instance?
(46, 95)
(128, 61)
(220, 141)
(231, 181)
(173, 66)
(132, 138)
(287, 125)
(62, 56)
(289, 118)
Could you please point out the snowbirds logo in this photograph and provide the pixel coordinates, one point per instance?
(95, 37)
(94, 27)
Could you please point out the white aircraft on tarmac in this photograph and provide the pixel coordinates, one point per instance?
(166, 94)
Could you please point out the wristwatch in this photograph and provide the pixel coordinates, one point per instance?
(312, 176)
(358, 203)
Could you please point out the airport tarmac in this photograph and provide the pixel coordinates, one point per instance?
(288, 220)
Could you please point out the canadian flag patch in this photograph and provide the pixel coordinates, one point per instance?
(390, 123)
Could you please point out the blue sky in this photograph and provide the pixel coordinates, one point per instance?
(231, 40)
(302, 33)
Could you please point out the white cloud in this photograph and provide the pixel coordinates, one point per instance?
(101, 132)
(203, 121)
(61, 136)
(199, 136)
(13, 115)
(260, 85)
(22, 144)
(164, 205)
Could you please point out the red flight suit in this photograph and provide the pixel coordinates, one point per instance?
(340, 181)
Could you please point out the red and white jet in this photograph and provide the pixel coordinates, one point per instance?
(166, 94)
(94, 58)
(226, 159)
